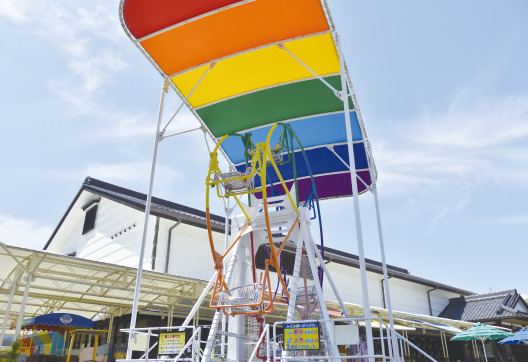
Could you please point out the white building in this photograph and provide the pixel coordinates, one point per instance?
(104, 223)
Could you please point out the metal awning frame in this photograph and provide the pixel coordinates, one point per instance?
(39, 282)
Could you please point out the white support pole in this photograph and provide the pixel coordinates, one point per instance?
(217, 317)
(186, 98)
(402, 347)
(355, 197)
(294, 280)
(23, 306)
(226, 245)
(199, 301)
(319, 291)
(484, 350)
(111, 328)
(212, 334)
(170, 313)
(329, 277)
(145, 224)
(374, 190)
(8, 309)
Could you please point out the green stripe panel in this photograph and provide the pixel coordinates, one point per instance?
(294, 100)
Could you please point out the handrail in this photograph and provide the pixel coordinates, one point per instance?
(264, 333)
(148, 344)
(407, 341)
(187, 344)
(348, 319)
(412, 345)
(271, 351)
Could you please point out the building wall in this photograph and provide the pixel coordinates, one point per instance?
(413, 297)
(118, 231)
(117, 234)
(406, 296)
(520, 307)
(348, 282)
(113, 240)
(190, 251)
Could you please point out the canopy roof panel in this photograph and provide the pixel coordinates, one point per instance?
(233, 30)
(143, 18)
(242, 66)
(321, 131)
(259, 69)
(281, 103)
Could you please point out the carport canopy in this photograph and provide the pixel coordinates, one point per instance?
(95, 290)
(99, 290)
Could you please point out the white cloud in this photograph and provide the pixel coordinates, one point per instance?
(440, 160)
(90, 51)
(121, 126)
(512, 220)
(83, 37)
(12, 11)
(467, 144)
(23, 233)
(88, 74)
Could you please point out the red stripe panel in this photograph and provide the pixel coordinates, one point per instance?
(144, 17)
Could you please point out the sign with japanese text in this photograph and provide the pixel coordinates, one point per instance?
(171, 343)
(301, 336)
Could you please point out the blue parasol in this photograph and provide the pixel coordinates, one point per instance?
(521, 337)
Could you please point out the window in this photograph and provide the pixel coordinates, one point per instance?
(89, 219)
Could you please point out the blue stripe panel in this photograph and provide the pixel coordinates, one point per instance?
(321, 160)
(312, 131)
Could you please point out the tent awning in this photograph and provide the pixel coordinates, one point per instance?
(57, 322)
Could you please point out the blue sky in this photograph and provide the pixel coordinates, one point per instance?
(442, 86)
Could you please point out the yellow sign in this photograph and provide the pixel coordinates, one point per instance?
(301, 336)
(171, 343)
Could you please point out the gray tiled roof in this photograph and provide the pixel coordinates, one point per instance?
(485, 307)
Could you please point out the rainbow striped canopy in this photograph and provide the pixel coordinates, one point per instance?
(236, 65)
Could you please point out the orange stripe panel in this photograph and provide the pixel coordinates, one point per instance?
(234, 30)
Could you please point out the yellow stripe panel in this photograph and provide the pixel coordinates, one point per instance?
(259, 69)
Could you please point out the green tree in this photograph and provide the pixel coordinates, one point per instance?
(12, 355)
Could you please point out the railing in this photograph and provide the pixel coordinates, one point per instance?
(274, 348)
(193, 341)
(280, 355)
(192, 346)
(265, 333)
(384, 356)
(402, 338)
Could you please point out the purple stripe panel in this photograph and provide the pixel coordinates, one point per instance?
(328, 186)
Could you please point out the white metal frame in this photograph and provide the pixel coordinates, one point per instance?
(344, 96)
